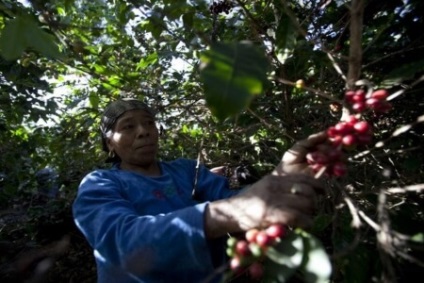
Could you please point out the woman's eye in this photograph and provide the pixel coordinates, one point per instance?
(128, 126)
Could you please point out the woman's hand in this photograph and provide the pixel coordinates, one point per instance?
(288, 199)
(294, 160)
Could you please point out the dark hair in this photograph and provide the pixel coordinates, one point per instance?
(112, 113)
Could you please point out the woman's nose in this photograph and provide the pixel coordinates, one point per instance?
(142, 130)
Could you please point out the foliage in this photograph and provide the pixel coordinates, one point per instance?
(62, 61)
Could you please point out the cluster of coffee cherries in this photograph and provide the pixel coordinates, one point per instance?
(360, 101)
(344, 136)
(329, 158)
(221, 7)
(248, 253)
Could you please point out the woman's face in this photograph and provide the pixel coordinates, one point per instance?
(135, 139)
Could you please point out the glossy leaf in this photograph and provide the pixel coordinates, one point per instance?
(232, 75)
(284, 258)
(316, 267)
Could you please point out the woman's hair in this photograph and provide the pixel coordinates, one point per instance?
(112, 113)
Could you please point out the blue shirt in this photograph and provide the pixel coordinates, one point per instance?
(149, 229)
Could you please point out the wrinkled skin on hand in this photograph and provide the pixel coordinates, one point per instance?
(271, 200)
(294, 159)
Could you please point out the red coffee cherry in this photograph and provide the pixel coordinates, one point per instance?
(276, 231)
(359, 107)
(380, 94)
(351, 120)
(349, 95)
(349, 140)
(262, 239)
(361, 127)
(242, 248)
(359, 96)
(235, 263)
(256, 270)
(339, 169)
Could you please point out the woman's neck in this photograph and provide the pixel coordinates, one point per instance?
(151, 170)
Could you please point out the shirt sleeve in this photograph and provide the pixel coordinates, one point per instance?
(211, 186)
(139, 244)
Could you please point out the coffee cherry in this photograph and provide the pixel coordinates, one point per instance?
(349, 95)
(373, 102)
(380, 94)
(262, 239)
(242, 248)
(276, 231)
(349, 140)
(231, 242)
(361, 127)
(383, 107)
(256, 250)
(332, 132)
(359, 96)
(235, 263)
(256, 270)
(339, 169)
(359, 107)
(351, 120)
(342, 128)
(251, 235)
(300, 84)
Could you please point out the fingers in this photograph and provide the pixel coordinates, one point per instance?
(298, 151)
(312, 140)
(290, 199)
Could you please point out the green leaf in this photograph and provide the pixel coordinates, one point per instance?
(284, 259)
(285, 35)
(285, 39)
(12, 43)
(276, 273)
(316, 267)
(188, 20)
(22, 33)
(419, 238)
(145, 62)
(232, 74)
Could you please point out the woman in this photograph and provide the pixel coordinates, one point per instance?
(142, 220)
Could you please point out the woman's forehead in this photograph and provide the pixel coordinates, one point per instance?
(135, 114)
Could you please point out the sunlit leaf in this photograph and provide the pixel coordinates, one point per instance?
(232, 74)
(316, 267)
(288, 252)
(419, 238)
(284, 258)
(147, 61)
